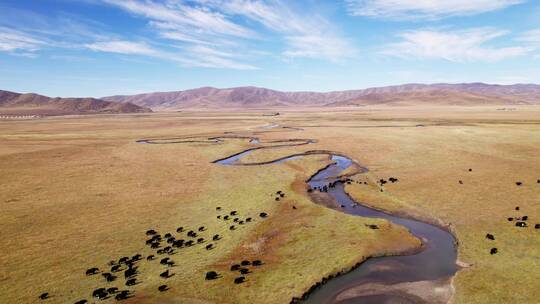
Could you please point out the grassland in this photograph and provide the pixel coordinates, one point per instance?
(78, 192)
(501, 148)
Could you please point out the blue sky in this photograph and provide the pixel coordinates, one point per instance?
(106, 47)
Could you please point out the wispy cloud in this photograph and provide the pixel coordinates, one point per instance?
(123, 47)
(228, 34)
(458, 46)
(183, 18)
(532, 37)
(200, 36)
(14, 41)
(319, 46)
(424, 9)
(306, 35)
(222, 26)
(206, 57)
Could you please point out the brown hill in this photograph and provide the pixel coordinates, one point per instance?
(12, 103)
(439, 97)
(207, 97)
(468, 94)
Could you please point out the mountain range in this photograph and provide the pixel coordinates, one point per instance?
(441, 94)
(12, 103)
(466, 94)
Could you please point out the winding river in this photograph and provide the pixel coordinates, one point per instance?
(422, 277)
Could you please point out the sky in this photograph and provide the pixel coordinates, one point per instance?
(108, 47)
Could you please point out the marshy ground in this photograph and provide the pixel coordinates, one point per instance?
(78, 192)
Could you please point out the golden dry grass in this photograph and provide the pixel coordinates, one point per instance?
(78, 191)
(501, 147)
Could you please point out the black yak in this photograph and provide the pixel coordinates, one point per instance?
(244, 270)
(123, 260)
(92, 271)
(163, 288)
(239, 280)
(115, 268)
(99, 293)
(124, 294)
(44, 296)
(211, 275)
(165, 274)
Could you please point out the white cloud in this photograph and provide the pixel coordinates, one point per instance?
(424, 9)
(185, 19)
(317, 46)
(197, 57)
(12, 41)
(458, 46)
(532, 37)
(123, 47)
(224, 25)
(274, 15)
(305, 34)
(198, 31)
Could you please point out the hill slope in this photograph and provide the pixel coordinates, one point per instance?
(408, 94)
(12, 103)
(441, 97)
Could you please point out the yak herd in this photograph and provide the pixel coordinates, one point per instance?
(167, 244)
(520, 222)
(242, 268)
(127, 268)
(325, 188)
